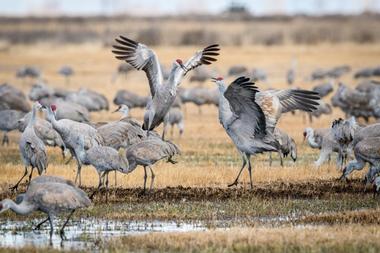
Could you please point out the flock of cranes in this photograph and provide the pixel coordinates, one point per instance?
(248, 115)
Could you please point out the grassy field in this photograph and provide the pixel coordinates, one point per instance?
(321, 213)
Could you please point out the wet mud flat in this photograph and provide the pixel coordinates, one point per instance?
(84, 234)
(277, 189)
(192, 209)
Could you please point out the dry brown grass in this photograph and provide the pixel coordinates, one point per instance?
(351, 238)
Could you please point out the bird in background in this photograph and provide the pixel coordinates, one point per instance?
(249, 116)
(163, 92)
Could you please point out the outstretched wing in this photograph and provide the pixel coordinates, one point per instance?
(291, 100)
(140, 57)
(241, 96)
(206, 57)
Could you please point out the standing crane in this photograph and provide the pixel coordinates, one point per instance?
(70, 131)
(50, 195)
(32, 148)
(8, 122)
(250, 116)
(148, 152)
(104, 159)
(163, 92)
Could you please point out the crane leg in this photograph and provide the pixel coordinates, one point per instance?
(78, 173)
(270, 159)
(99, 185)
(242, 167)
(250, 171)
(281, 158)
(51, 229)
(62, 232)
(16, 185)
(38, 227)
(145, 177)
(163, 134)
(107, 186)
(115, 178)
(30, 176)
(5, 139)
(70, 158)
(152, 178)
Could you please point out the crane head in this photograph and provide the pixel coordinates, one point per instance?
(5, 205)
(180, 63)
(53, 107)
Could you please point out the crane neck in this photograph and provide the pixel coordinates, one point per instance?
(311, 140)
(23, 208)
(33, 117)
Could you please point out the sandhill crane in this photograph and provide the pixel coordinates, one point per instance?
(291, 74)
(122, 69)
(163, 92)
(249, 116)
(324, 89)
(200, 75)
(13, 98)
(314, 137)
(132, 100)
(322, 108)
(318, 74)
(363, 101)
(322, 139)
(44, 130)
(258, 75)
(199, 96)
(66, 71)
(338, 71)
(366, 151)
(287, 146)
(237, 70)
(28, 71)
(91, 100)
(122, 133)
(32, 148)
(348, 134)
(104, 159)
(70, 110)
(50, 196)
(376, 186)
(41, 91)
(8, 122)
(363, 73)
(70, 131)
(148, 152)
(175, 117)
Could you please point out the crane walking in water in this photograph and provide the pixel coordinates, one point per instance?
(50, 195)
(163, 92)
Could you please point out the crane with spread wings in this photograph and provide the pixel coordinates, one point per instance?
(163, 92)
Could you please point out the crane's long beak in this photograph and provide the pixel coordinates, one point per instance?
(118, 109)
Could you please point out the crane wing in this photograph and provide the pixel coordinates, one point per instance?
(206, 57)
(140, 57)
(241, 97)
(291, 100)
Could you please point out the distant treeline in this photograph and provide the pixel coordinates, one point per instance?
(192, 29)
